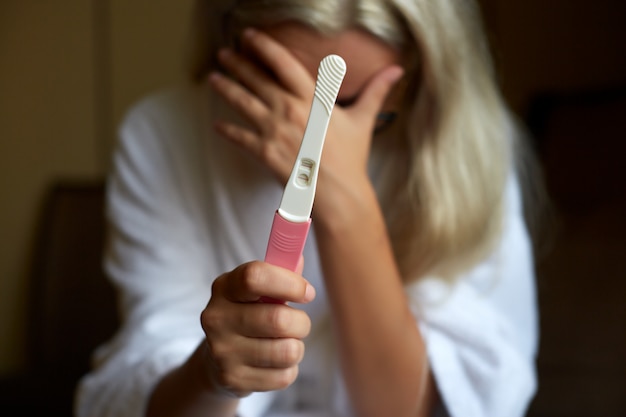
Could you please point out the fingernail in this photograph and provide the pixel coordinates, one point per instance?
(309, 293)
(396, 75)
(249, 32)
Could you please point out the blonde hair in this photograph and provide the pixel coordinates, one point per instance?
(444, 207)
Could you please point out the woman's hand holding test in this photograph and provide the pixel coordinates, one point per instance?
(256, 346)
(250, 346)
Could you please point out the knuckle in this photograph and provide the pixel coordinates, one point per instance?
(293, 112)
(253, 277)
(268, 153)
(243, 101)
(218, 284)
(280, 319)
(292, 352)
(231, 380)
(219, 352)
(306, 323)
(228, 380)
(226, 374)
(211, 320)
(286, 377)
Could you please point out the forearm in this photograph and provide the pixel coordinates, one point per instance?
(382, 352)
(186, 392)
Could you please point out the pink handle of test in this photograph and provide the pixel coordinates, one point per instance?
(286, 242)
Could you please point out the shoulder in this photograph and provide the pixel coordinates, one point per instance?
(166, 100)
(169, 107)
(167, 120)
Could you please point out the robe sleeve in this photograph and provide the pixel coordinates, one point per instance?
(481, 332)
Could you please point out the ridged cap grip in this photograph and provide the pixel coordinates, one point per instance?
(330, 74)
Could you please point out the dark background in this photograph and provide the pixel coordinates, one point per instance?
(563, 69)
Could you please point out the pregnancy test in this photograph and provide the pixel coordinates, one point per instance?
(293, 217)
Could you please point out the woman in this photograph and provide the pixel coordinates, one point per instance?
(416, 296)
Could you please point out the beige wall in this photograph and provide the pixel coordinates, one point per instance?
(46, 131)
(147, 40)
(68, 71)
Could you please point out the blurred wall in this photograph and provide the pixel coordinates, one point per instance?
(47, 130)
(68, 71)
(556, 45)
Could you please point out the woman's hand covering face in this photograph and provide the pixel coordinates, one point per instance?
(271, 85)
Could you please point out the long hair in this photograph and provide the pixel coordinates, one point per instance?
(444, 201)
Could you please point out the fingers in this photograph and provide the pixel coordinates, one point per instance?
(257, 81)
(240, 135)
(249, 282)
(241, 379)
(254, 346)
(272, 134)
(258, 353)
(274, 69)
(287, 69)
(276, 116)
(248, 365)
(257, 320)
(246, 104)
(373, 97)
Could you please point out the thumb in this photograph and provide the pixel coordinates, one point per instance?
(372, 98)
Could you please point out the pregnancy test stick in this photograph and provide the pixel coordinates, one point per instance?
(293, 217)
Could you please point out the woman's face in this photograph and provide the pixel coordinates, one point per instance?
(365, 56)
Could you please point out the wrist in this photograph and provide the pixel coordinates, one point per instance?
(340, 204)
(201, 370)
(188, 391)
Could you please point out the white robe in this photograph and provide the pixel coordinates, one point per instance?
(186, 206)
